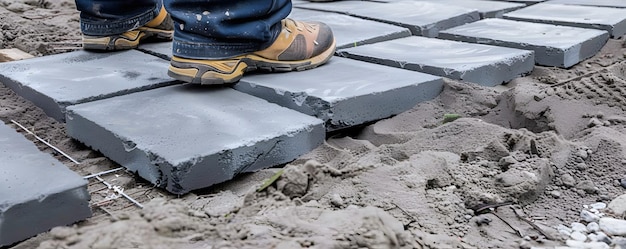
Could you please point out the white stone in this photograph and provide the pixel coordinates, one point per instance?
(579, 227)
(612, 226)
(618, 205)
(588, 216)
(593, 227)
(583, 245)
(564, 230)
(598, 237)
(578, 236)
(598, 205)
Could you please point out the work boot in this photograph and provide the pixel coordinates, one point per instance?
(299, 46)
(160, 28)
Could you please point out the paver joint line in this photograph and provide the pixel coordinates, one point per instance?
(46, 143)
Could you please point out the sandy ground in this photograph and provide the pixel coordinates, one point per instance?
(549, 143)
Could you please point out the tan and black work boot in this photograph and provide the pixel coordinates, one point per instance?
(160, 28)
(299, 46)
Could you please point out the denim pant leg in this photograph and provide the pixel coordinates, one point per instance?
(111, 17)
(224, 28)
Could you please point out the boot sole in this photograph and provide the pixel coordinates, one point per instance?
(122, 43)
(216, 73)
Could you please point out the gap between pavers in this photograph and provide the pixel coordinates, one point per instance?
(422, 18)
(559, 46)
(351, 31)
(345, 92)
(482, 64)
(37, 192)
(612, 20)
(54, 82)
(601, 3)
(487, 9)
(183, 137)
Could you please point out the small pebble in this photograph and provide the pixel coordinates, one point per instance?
(564, 230)
(588, 216)
(579, 227)
(581, 166)
(507, 160)
(482, 220)
(568, 180)
(556, 194)
(582, 154)
(525, 245)
(588, 186)
(578, 236)
(602, 237)
(598, 205)
(622, 182)
(593, 122)
(336, 200)
(593, 227)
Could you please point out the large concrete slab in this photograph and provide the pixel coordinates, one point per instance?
(37, 192)
(559, 46)
(422, 18)
(54, 82)
(481, 64)
(602, 3)
(162, 50)
(351, 31)
(183, 137)
(527, 2)
(345, 92)
(487, 9)
(612, 20)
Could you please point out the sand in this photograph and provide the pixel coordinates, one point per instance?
(545, 144)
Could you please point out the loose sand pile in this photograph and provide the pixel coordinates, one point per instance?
(545, 144)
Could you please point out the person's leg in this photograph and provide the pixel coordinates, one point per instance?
(122, 24)
(216, 41)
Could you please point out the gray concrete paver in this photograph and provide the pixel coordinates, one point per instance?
(487, 9)
(184, 137)
(601, 3)
(612, 20)
(527, 2)
(422, 18)
(482, 64)
(559, 46)
(54, 82)
(345, 92)
(351, 31)
(37, 192)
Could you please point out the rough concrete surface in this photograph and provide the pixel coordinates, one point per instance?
(612, 20)
(602, 3)
(559, 46)
(55, 82)
(162, 50)
(184, 138)
(487, 9)
(37, 192)
(351, 31)
(410, 181)
(422, 18)
(338, 94)
(527, 2)
(482, 64)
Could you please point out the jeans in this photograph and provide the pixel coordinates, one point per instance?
(203, 29)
